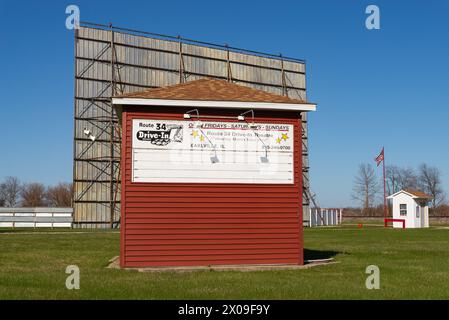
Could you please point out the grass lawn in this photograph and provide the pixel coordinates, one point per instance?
(413, 264)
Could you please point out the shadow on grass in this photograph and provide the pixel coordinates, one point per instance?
(310, 254)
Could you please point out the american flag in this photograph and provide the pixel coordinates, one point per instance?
(380, 157)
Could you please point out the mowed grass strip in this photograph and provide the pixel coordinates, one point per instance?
(414, 264)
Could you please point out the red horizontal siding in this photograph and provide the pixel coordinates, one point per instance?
(218, 190)
(269, 209)
(192, 232)
(176, 224)
(207, 216)
(209, 222)
(203, 237)
(164, 260)
(202, 247)
(206, 262)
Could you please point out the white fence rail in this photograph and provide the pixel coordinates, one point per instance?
(324, 217)
(36, 217)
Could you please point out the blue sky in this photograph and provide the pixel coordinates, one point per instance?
(373, 87)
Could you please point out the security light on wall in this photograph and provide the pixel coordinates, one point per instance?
(241, 117)
(214, 159)
(264, 159)
(188, 114)
(89, 134)
(253, 126)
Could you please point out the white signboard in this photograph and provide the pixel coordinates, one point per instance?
(211, 152)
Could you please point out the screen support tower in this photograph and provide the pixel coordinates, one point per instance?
(111, 60)
(99, 149)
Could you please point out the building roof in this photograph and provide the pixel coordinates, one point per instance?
(418, 194)
(414, 193)
(210, 92)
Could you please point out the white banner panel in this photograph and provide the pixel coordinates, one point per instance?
(214, 152)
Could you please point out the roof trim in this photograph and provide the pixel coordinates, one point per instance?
(400, 191)
(216, 104)
(410, 194)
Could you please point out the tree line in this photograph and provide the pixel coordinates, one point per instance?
(368, 188)
(14, 193)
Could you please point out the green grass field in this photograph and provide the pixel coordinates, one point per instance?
(414, 264)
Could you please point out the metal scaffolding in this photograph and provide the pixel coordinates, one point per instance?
(111, 61)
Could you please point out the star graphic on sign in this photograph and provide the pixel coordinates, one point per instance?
(284, 137)
(278, 140)
(195, 133)
(202, 138)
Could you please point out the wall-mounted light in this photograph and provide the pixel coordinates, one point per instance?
(264, 159)
(241, 117)
(253, 126)
(188, 115)
(214, 159)
(88, 133)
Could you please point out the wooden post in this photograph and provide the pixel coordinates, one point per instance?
(284, 83)
(228, 64)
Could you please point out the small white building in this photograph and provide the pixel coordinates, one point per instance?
(412, 207)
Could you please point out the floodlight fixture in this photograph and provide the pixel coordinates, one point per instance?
(253, 126)
(188, 115)
(214, 159)
(89, 134)
(241, 117)
(264, 159)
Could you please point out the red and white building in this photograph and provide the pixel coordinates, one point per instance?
(210, 175)
(410, 209)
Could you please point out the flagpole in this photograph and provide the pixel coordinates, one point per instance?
(385, 187)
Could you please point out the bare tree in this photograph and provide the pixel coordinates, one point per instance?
(60, 195)
(2, 195)
(10, 191)
(430, 182)
(392, 177)
(400, 178)
(33, 195)
(366, 186)
(407, 178)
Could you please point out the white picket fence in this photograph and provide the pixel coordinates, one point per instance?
(36, 217)
(324, 217)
